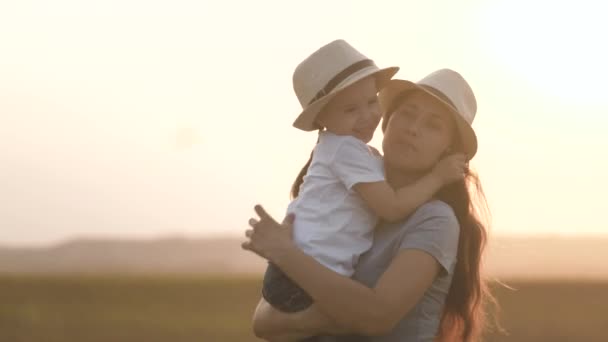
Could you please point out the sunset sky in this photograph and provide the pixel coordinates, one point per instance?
(137, 118)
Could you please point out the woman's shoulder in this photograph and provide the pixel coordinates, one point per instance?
(434, 208)
(429, 219)
(433, 228)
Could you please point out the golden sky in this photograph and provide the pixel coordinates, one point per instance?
(145, 118)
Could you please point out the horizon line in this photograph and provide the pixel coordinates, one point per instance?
(230, 236)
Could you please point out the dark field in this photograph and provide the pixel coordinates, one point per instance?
(131, 308)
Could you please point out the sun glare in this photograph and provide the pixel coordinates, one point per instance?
(557, 46)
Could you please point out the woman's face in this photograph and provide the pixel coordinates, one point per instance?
(418, 134)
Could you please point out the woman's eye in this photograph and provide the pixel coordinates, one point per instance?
(372, 102)
(350, 109)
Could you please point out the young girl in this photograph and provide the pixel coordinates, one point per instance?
(341, 192)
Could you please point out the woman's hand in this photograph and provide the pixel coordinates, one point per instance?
(273, 325)
(268, 238)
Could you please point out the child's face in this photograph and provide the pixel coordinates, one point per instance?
(355, 111)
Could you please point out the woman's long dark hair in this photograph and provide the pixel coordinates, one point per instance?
(464, 312)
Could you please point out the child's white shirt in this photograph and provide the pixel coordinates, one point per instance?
(332, 222)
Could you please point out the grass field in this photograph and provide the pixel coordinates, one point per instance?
(147, 308)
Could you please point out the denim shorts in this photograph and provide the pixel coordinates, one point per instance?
(282, 293)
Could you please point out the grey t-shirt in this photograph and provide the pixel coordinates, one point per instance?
(432, 228)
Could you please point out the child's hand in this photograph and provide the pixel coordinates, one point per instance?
(451, 168)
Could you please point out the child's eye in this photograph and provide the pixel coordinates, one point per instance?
(372, 101)
(351, 109)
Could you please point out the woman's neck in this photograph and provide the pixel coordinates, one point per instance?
(398, 179)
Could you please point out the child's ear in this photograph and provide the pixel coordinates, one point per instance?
(318, 125)
(319, 122)
(321, 117)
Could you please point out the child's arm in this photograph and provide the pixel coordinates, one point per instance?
(393, 205)
(358, 169)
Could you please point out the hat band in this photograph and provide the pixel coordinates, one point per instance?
(341, 76)
(439, 94)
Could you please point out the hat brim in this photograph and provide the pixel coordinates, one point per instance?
(395, 88)
(306, 120)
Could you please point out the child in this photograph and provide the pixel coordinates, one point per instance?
(341, 192)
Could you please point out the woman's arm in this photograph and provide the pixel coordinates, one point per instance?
(350, 304)
(273, 325)
(358, 308)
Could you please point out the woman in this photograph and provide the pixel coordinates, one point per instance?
(421, 278)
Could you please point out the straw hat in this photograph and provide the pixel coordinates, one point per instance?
(328, 71)
(452, 90)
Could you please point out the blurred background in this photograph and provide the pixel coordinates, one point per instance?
(136, 136)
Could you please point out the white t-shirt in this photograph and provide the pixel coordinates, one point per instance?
(332, 223)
